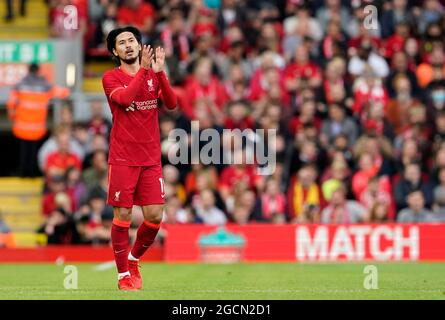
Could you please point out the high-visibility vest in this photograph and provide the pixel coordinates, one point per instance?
(28, 106)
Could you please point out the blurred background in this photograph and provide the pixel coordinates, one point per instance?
(358, 108)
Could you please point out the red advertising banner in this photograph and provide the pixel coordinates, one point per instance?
(70, 254)
(306, 243)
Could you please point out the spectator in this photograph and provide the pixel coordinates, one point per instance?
(75, 186)
(438, 136)
(431, 13)
(400, 66)
(58, 196)
(241, 176)
(50, 146)
(426, 70)
(60, 228)
(139, 14)
(365, 56)
(203, 84)
(304, 196)
(439, 202)
(338, 123)
(377, 199)
(177, 43)
(27, 108)
(238, 116)
(271, 204)
(343, 211)
(334, 89)
(175, 213)
(380, 212)
(398, 108)
(368, 90)
(95, 219)
(410, 182)
(62, 159)
(333, 10)
(368, 169)
(106, 22)
(98, 123)
(416, 211)
(396, 42)
(207, 212)
(398, 12)
(339, 173)
(301, 73)
(99, 167)
(298, 26)
(171, 177)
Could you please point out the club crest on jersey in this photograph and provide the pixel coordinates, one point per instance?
(150, 85)
(116, 195)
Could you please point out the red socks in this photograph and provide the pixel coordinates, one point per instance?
(120, 242)
(145, 236)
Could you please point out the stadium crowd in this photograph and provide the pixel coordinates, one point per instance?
(359, 113)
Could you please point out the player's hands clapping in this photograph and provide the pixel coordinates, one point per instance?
(158, 63)
(147, 56)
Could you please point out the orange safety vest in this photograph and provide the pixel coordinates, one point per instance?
(7, 240)
(28, 107)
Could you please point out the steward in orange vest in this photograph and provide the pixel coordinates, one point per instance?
(28, 110)
(28, 105)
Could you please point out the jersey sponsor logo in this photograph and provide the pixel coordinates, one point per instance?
(147, 105)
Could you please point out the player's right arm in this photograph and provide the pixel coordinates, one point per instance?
(124, 96)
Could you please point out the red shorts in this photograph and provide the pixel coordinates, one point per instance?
(128, 186)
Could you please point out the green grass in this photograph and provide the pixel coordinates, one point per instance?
(235, 281)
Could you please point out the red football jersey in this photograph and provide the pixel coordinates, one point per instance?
(135, 137)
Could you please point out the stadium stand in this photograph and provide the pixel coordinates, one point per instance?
(359, 113)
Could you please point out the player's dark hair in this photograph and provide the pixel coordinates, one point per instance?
(111, 38)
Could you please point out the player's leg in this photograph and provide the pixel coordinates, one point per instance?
(149, 195)
(120, 239)
(122, 182)
(147, 230)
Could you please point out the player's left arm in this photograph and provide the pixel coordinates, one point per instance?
(167, 93)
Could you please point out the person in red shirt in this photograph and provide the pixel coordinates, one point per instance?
(62, 159)
(203, 84)
(135, 173)
(139, 14)
(396, 42)
(300, 71)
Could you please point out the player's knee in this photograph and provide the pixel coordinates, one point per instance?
(122, 214)
(154, 215)
(155, 218)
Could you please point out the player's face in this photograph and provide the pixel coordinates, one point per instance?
(127, 47)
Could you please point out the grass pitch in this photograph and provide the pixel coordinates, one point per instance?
(234, 281)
